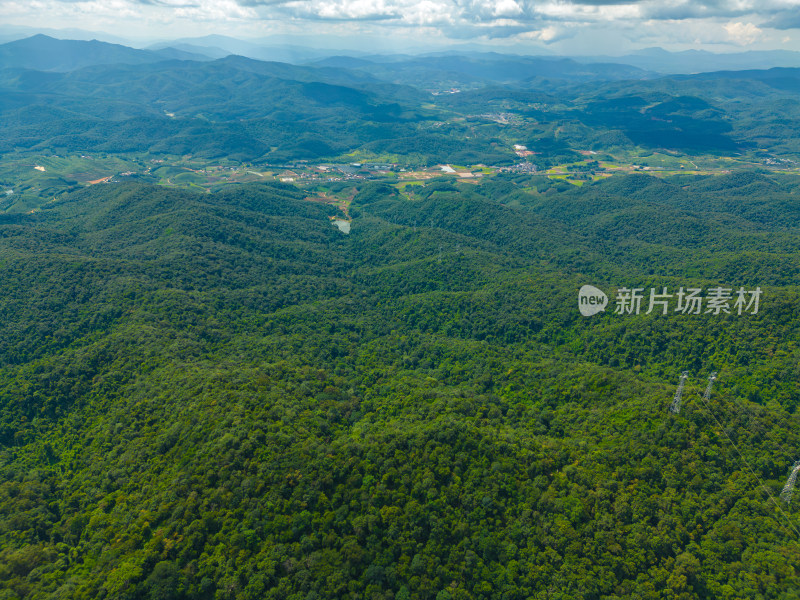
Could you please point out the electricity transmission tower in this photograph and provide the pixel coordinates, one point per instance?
(676, 401)
(707, 393)
(786, 493)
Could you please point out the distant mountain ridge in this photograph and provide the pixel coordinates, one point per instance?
(218, 46)
(212, 52)
(778, 78)
(233, 106)
(48, 53)
(426, 71)
(66, 96)
(44, 53)
(700, 61)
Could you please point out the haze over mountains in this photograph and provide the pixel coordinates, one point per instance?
(284, 49)
(45, 53)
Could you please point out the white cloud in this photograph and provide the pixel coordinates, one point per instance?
(14, 8)
(743, 34)
(427, 12)
(584, 13)
(548, 34)
(507, 8)
(88, 8)
(119, 10)
(355, 10)
(213, 10)
(727, 22)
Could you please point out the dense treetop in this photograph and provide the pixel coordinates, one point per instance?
(223, 396)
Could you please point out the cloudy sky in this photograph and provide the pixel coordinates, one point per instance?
(559, 26)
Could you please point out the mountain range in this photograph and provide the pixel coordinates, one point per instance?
(45, 53)
(700, 61)
(305, 50)
(67, 96)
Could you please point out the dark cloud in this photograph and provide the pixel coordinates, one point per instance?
(340, 17)
(705, 9)
(689, 11)
(165, 4)
(605, 2)
(481, 11)
(462, 19)
(784, 20)
(257, 3)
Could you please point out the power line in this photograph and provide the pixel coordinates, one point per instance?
(705, 399)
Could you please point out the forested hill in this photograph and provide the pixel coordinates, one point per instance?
(234, 107)
(67, 98)
(50, 54)
(223, 396)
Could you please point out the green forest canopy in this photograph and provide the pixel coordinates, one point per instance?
(223, 396)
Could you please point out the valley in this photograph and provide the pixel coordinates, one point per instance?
(29, 180)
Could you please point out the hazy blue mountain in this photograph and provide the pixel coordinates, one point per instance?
(442, 69)
(10, 33)
(753, 86)
(45, 53)
(213, 52)
(298, 72)
(218, 46)
(778, 78)
(212, 43)
(700, 61)
(170, 53)
(347, 62)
